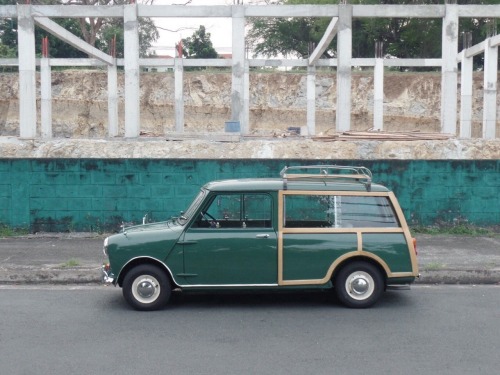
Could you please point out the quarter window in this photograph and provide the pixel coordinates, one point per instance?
(338, 211)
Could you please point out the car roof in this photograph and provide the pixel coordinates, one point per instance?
(276, 184)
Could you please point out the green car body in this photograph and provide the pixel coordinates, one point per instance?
(299, 231)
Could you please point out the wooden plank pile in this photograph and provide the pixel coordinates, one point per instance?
(382, 136)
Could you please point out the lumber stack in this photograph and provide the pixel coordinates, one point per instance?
(382, 136)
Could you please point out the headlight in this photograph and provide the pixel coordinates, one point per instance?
(105, 247)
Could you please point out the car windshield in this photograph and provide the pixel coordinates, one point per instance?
(184, 218)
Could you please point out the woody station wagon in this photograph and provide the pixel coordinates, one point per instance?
(315, 227)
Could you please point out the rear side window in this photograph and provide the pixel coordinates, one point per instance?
(338, 211)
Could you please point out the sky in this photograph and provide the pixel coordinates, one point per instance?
(219, 28)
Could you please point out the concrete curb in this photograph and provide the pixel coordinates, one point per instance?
(58, 275)
(460, 276)
(50, 275)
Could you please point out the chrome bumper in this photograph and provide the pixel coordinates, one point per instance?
(106, 276)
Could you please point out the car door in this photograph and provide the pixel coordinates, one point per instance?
(232, 241)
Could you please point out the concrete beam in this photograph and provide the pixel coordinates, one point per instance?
(413, 62)
(476, 49)
(63, 34)
(9, 62)
(77, 11)
(78, 62)
(292, 11)
(495, 41)
(325, 41)
(169, 11)
(359, 11)
(479, 11)
(398, 11)
(8, 11)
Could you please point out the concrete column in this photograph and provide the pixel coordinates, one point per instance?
(238, 80)
(449, 70)
(112, 101)
(131, 62)
(27, 70)
(466, 97)
(490, 90)
(179, 94)
(378, 87)
(311, 100)
(344, 51)
(245, 116)
(46, 98)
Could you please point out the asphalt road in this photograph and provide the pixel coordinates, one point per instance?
(90, 330)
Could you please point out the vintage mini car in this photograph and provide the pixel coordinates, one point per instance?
(314, 227)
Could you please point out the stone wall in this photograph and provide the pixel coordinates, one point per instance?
(277, 101)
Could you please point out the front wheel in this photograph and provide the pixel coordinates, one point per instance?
(359, 285)
(146, 288)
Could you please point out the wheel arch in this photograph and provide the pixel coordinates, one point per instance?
(141, 261)
(357, 257)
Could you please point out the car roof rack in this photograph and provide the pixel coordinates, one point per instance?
(327, 172)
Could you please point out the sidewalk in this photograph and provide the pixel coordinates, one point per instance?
(76, 258)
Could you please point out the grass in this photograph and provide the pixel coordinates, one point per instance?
(70, 263)
(6, 231)
(458, 230)
(433, 266)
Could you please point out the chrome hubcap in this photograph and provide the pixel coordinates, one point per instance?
(360, 285)
(146, 289)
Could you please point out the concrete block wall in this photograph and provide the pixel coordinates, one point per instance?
(99, 194)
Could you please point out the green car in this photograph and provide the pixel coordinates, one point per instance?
(315, 227)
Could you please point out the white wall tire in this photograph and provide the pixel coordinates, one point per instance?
(146, 288)
(359, 285)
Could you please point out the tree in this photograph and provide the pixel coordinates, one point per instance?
(402, 37)
(96, 31)
(148, 34)
(271, 36)
(199, 45)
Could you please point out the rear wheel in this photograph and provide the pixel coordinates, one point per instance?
(146, 288)
(359, 285)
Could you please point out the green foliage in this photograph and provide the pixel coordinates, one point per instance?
(148, 34)
(70, 264)
(401, 37)
(6, 231)
(96, 31)
(199, 45)
(459, 230)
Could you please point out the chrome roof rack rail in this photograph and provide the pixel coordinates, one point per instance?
(328, 172)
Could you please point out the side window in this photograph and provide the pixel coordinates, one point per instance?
(225, 207)
(338, 211)
(362, 212)
(257, 210)
(236, 211)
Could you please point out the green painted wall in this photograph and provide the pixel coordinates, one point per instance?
(97, 195)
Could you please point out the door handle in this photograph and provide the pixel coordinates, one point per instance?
(262, 236)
